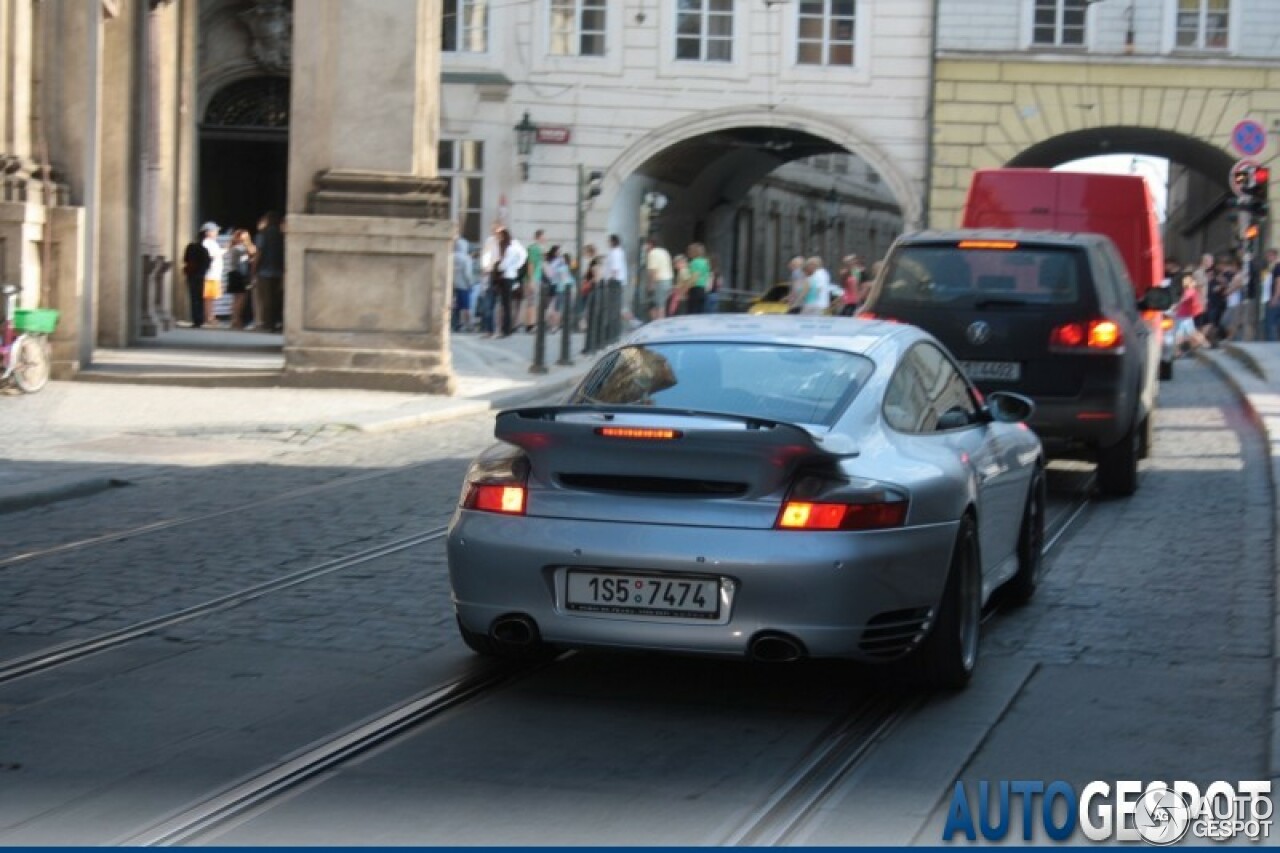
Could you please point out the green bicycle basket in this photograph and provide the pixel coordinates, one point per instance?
(38, 320)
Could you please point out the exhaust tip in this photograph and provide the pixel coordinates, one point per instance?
(515, 630)
(776, 647)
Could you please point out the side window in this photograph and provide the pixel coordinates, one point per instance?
(928, 394)
(952, 406)
(906, 404)
(1119, 289)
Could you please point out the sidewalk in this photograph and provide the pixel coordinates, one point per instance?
(203, 397)
(1253, 370)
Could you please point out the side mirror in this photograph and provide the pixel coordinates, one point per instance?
(1009, 408)
(1158, 299)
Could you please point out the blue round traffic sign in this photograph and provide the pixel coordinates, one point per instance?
(1249, 137)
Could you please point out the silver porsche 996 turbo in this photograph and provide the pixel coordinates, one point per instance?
(774, 487)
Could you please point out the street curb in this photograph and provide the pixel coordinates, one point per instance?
(54, 490)
(377, 422)
(1242, 385)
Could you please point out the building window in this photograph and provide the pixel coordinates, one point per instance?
(825, 32)
(466, 26)
(1058, 23)
(1203, 24)
(704, 30)
(577, 27)
(461, 165)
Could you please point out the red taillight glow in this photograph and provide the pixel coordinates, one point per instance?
(1166, 323)
(502, 498)
(1003, 245)
(1094, 335)
(1104, 334)
(640, 433)
(871, 315)
(803, 515)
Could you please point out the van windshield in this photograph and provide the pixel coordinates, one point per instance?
(978, 278)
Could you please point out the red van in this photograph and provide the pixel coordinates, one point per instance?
(1119, 206)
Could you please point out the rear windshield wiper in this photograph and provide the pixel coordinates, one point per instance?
(1000, 303)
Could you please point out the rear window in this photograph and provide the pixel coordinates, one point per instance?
(949, 276)
(785, 383)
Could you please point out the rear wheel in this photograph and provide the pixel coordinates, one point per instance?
(1118, 464)
(1022, 586)
(948, 656)
(31, 360)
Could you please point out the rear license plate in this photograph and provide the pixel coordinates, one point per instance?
(1003, 371)
(643, 595)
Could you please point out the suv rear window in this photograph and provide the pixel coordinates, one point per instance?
(954, 277)
(803, 385)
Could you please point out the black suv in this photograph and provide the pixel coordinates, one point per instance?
(1049, 315)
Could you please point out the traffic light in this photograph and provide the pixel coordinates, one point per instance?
(1252, 182)
(595, 184)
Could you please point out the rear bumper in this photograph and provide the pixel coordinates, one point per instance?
(821, 588)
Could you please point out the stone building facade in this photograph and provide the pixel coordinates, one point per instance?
(1043, 82)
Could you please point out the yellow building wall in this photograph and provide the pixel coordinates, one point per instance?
(987, 111)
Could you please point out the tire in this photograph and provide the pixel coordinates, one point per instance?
(31, 360)
(1022, 586)
(949, 654)
(1118, 464)
(1146, 435)
(1166, 371)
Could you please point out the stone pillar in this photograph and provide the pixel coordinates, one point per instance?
(368, 264)
(119, 257)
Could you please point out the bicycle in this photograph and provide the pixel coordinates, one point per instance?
(24, 342)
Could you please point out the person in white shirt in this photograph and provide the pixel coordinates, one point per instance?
(818, 297)
(615, 278)
(212, 278)
(511, 256)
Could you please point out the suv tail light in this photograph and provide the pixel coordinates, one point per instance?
(1100, 335)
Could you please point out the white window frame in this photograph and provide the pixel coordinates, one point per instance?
(826, 42)
(788, 20)
(683, 69)
(1060, 12)
(579, 7)
(462, 29)
(1171, 30)
(457, 173)
(706, 14)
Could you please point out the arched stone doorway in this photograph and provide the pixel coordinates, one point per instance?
(758, 187)
(244, 152)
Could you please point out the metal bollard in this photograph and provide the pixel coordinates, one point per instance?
(540, 338)
(566, 326)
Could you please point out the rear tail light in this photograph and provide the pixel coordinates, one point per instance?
(640, 433)
(805, 515)
(1166, 323)
(871, 315)
(496, 482)
(1094, 336)
(490, 497)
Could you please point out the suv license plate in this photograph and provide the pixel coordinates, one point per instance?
(643, 595)
(1003, 371)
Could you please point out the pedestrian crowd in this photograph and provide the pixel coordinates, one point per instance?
(249, 269)
(498, 287)
(1221, 299)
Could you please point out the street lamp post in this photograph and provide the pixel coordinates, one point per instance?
(526, 133)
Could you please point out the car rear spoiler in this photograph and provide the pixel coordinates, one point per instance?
(561, 439)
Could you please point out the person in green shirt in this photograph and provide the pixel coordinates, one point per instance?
(533, 286)
(701, 269)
